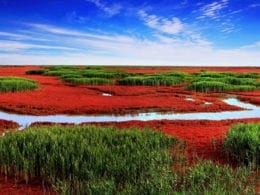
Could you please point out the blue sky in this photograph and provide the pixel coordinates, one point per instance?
(166, 32)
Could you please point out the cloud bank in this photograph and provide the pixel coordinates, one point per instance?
(69, 46)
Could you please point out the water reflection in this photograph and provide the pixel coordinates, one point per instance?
(106, 94)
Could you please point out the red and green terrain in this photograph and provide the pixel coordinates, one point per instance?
(98, 91)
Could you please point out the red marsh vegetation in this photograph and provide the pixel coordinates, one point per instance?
(203, 137)
(56, 97)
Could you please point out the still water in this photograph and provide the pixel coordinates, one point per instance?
(251, 111)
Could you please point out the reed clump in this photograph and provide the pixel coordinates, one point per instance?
(243, 143)
(107, 160)
(16, 84)
(87, 159)
(158, 79)
(223, 82)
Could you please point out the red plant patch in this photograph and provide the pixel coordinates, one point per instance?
(203, 137)
(4, 125)
(57, 97)
(34, 187)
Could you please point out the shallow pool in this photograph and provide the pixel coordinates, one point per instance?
(251, 111)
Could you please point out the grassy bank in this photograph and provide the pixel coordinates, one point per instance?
(90, 159)
(107, 160)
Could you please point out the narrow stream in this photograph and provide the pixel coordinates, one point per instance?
(251, 111)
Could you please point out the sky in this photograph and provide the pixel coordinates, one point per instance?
(127, 32)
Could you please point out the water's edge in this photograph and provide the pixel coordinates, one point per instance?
(251, 111)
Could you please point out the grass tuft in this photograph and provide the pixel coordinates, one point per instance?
(16, 84)
(243, 143)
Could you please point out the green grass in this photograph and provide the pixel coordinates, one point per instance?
(149, 81)
(90, 159)
(158, 79)
(243, 143)
(209, 86)
(228, 80)
(16, 84)
(107, 160)
(81, 75)
(88, 81)
(97, 76)
(223, 82)
(249, 75)
(98, 73)
(201, 82)
(209, 178)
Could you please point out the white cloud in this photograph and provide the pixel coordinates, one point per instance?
(219, 16)
(179, 57)
(16, 36)
(252, 47)
(16, 45)
(118, 42)
(74, 33)
(176, 31)
(55, 30)
(12, 45)
(170, 26)
(13, 35)
(118, 49)
(212, 10)
(109, 10)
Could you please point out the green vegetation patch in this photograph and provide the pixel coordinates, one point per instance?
(223, 81)
(82, 75)
(107, 160)
(209, 178)
(201, 82)
(98, 76)
(91, 159)
(16, 84)
(206, 86)
(87, 81)
(158, 79)
(243, 143)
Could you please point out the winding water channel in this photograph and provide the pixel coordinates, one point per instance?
(251, 111)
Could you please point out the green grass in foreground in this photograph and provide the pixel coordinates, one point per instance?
(106, 160)
(243, 143)
(15, 84)
(90, 159)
